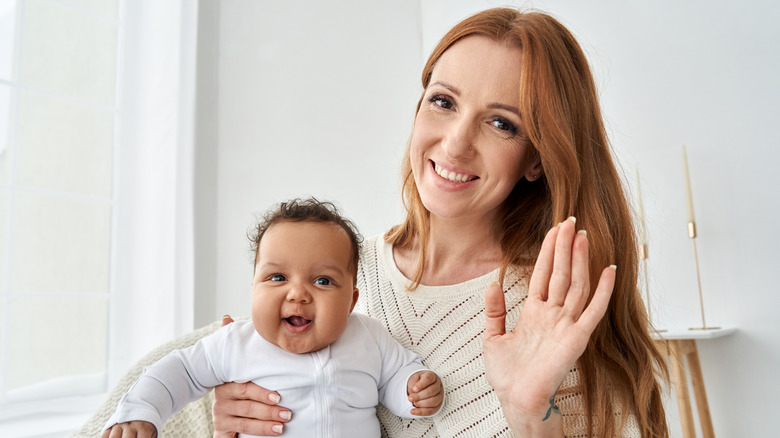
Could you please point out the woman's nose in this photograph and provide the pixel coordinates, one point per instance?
(459, 138)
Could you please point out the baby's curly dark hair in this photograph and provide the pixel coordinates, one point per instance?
(306, 209)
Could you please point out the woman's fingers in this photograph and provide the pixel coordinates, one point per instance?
(598, 305)
(561, 274)
(247, 408)
(253, 419)
(540, 279)
(495, 311)
(226, 320)
(579, 287)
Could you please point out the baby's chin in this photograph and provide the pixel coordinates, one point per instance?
(301, 346)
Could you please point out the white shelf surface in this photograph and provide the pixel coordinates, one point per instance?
(694, 334)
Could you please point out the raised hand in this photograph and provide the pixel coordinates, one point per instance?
(527, 365)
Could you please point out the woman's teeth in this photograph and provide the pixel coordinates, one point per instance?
(451, 176)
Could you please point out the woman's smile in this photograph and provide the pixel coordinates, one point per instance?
(452, 175)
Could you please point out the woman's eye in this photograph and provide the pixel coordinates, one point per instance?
(505, 125)
(278, 277)
(441, 101)
(322, 281)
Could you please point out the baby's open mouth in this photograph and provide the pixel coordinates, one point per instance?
(297, 321)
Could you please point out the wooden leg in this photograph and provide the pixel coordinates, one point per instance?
(677, 362)
(697, 380)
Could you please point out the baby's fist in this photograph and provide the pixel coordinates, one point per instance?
(425, 392)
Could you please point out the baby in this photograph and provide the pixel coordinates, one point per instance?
(330, 366)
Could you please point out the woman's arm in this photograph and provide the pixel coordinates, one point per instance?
(527, 365)
(247, 408)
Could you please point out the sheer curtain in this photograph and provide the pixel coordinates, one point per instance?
(96, 263)
(153, 260)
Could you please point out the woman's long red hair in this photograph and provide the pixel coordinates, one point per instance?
(620, 369)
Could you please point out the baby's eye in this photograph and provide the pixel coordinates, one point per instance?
(278, 277)
(504, 125)
(322, 281)
(441, 101)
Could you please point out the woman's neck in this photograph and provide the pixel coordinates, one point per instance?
(456, 252)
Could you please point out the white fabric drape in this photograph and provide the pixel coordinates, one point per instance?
(153, 225)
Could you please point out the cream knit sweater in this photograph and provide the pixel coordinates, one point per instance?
(444, 325)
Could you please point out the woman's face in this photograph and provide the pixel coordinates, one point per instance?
(468, 148)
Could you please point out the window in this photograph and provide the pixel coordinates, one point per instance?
(95, 198)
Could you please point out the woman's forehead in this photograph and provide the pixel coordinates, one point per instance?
(478, 61)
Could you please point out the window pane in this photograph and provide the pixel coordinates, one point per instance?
(68, 51)
(74, 152)
(55, 338)
(106, 8)
(60, 245)
(7, 30)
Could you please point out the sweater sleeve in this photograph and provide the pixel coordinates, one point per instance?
(167, 386)
(398, 366)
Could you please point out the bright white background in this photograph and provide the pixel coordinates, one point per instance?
(317, 98)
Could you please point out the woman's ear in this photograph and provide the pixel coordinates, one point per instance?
(534, 171)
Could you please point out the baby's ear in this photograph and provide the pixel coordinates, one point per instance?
(355, 295)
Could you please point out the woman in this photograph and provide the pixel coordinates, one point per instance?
(508, 141)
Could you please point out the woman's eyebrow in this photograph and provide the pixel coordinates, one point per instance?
(505, 107)
(450, 87)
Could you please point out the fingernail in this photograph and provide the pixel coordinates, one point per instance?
(285, 415)
(226, 316)
(573, 219)
(583, 232)
(495, 283)
(277, 428)
(274, 398)
(613, 267)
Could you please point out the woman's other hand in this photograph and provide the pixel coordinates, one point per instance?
(247, 408)
(527, 365)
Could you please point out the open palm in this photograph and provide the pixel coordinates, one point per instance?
(527, 365)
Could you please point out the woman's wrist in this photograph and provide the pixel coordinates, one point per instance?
(532, 417)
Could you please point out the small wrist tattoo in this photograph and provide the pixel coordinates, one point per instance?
(553, 406)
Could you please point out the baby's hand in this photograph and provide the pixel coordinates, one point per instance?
(425, 392)
(139, 429)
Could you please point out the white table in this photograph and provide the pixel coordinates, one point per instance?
(678, 345)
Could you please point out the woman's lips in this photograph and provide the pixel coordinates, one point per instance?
(451, 175)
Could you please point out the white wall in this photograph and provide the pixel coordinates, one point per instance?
(318, 99)
(315, 98)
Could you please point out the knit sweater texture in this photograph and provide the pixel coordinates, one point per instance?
(445, 326)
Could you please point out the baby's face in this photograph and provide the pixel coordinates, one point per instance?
(303, 289)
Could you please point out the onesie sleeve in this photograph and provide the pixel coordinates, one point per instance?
(398, 365)
(167, 386)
